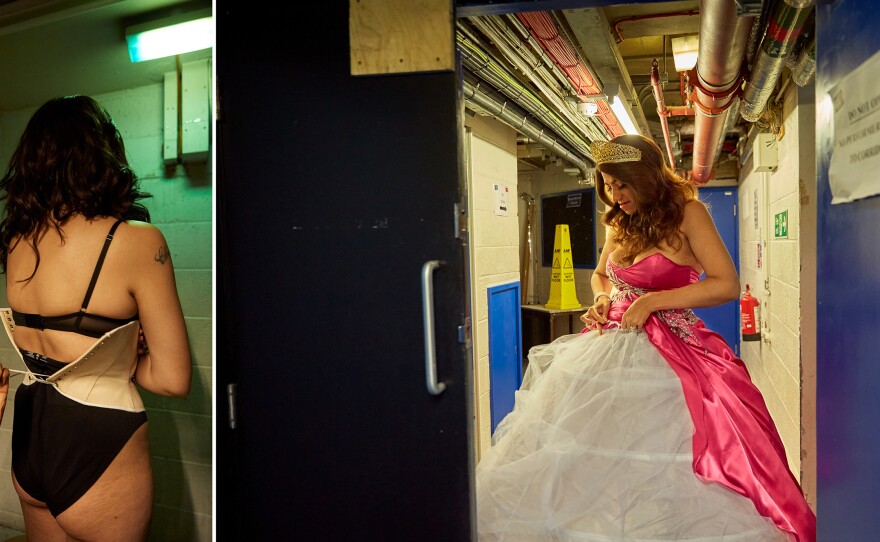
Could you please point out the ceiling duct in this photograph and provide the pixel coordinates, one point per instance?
(783, 29)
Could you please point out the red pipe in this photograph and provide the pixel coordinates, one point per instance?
(661, 109)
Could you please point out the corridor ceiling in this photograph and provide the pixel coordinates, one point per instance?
(521, 55)
(51, 48)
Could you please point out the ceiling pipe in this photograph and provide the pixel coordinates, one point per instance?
(723, 39)
(619, 22)
(688, 129)
(544, 31)
(783, 28)
(538, 71)
(519, 121)
(662, 111)
(729, 123)
(486, 69)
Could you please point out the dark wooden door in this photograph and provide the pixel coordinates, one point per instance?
(333, 193)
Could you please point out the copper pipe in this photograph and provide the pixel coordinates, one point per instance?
(661, 109)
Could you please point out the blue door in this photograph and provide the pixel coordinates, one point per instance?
(848, 296)
(505, 338)
(723, 319)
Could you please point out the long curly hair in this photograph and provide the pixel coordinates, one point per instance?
(660, 196)
(70, 161)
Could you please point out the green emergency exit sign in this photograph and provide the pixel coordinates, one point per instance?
(780, 225)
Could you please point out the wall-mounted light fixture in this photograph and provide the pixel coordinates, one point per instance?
(173, 35)
(684, 52)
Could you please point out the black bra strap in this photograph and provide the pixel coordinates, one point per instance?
(97, 272)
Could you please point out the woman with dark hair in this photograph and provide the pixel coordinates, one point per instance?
(94, 312)
(645, 426)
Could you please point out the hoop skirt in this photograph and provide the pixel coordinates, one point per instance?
(652, 435)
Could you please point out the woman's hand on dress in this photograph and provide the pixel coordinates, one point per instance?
(637, 314)
(597, 314)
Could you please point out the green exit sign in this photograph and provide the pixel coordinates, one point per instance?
(780, 224)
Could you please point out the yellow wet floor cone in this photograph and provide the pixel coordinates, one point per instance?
(563, 294)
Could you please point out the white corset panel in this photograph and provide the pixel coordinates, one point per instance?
(102, 376)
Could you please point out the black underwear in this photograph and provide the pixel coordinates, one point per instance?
(63, 447)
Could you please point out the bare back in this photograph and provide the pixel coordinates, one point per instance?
(60, 283)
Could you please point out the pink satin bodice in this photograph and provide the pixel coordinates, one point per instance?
(735, 441)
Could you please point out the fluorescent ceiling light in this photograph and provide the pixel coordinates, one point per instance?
(684, 52)
(623, 115)
(171, 36)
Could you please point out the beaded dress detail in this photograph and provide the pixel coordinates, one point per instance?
(654, 435)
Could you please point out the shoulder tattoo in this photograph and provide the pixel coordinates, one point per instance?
(162, 255)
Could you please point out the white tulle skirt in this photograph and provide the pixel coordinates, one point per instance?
(598, 448)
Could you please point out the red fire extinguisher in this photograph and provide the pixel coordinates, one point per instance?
(751, 327)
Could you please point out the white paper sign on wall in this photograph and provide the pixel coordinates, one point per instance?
(855, 156)
(501, 199)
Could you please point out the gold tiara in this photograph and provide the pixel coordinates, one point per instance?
(608, 152)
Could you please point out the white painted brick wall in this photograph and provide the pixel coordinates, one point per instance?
(775, 365)
(495, 250)
(180, 429)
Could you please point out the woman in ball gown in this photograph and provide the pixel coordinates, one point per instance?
(646, 426)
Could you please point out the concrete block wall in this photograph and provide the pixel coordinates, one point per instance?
(180, 429)
(554, 180)
(775, 362)
(495, 246)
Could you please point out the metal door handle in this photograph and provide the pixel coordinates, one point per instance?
(434, 387)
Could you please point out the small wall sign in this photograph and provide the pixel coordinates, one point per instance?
(780, 225)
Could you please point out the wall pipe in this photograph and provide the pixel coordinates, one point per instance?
(783, 28)
(723, 39)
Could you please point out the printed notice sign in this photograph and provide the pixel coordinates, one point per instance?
(855, 156)
(501, 204)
